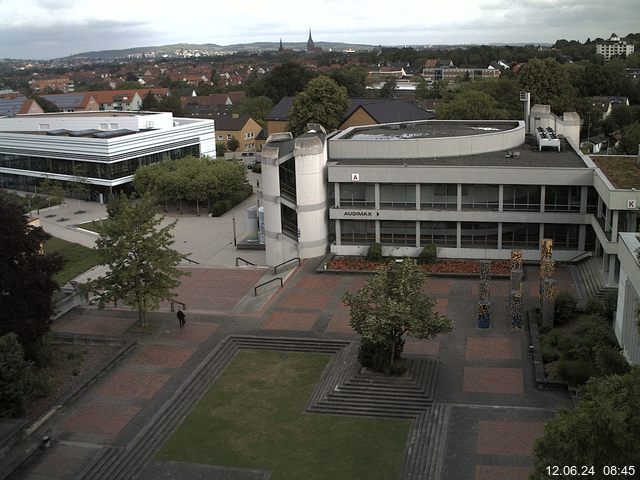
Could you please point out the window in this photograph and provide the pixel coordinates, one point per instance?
(220, 137)
(562, 199)
(398, 233)
(103, 126)
(565, 237)
(229, 137)
(521, 198)
(592, 200)
(357, 195)
(289, 219)
(520, 235)
(479, 235)
(44, 126)
(398, 195)
(480, 197)
(443, 234)
(441, 197)
(355, 232)
(288, 179)
(113, 126)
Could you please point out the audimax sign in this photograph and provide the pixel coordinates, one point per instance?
(360, 213)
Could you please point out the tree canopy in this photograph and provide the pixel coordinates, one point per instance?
(256, 107)
(323, 101)
(602, 430)
(630, 139)
(391, 304)
(353, 78)
(26, 275)
(142, 265)
(471, 105)
(285, 80)
(549, 84)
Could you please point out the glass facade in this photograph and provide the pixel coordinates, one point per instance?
(289, 219)
(353, 232)
(560, 198)
(524, 198)
(480, 197)
(565, 237)
(443, 234)
(520, 235)
(479, 235)
(398, 233)
(439, 196)
(398, 195)
(288, 179)
(102, 170)
(357, 195)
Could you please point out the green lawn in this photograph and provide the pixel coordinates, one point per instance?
(77, 258)
(92, 226)
(253, 417)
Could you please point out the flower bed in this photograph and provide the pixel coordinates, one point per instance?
(444, 266)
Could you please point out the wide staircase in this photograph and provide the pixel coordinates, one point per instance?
(592, 279)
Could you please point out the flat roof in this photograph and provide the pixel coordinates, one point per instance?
(429, 129)
(99, 113)
(622, 171)
(526, 155)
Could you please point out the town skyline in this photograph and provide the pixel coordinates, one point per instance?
(67, 27)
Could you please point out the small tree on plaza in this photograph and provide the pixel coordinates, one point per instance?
(142, 265)
(390, 305)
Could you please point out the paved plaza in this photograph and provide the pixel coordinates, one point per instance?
(486, 379)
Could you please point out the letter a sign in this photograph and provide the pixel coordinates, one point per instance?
(355, 177)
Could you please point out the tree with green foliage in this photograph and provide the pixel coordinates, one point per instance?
(391, 304)
(26, 276)
(549, 84)
(170, 103)
(352, 77)
(470, 105)
(221, 148)
(630, 139)
(15, 372)
(149, 102)
(602, 430)
(323, 101)
(388, 90)
(256, 107)
(233, 144)
(286, 80)
(142, 263)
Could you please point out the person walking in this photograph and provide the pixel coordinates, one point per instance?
(181, 318)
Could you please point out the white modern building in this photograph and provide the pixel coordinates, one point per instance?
(626, 321)
(614, 47)
(104, 148)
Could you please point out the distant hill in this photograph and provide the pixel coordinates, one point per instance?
(171, 50)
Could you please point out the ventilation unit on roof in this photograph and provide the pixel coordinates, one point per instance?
(547, 138)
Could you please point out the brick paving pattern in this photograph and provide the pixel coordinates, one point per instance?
(100, 419)
(430, 348)
(291, 321)
(493, 380)
(163, 355)
(507, 438)
(498, 348)
(133, 384)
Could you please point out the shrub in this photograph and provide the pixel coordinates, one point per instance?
(610, 303)
(39, 351)
(564, 307)
(576, 372)
(611, 361)
(220, 206)
(549, 353)
(257, 168)
(374, 253)
(428, 255)
(594, 306)
(15, 371)
(375, 356)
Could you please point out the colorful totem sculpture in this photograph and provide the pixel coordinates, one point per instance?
(515, 300)
(484, 303)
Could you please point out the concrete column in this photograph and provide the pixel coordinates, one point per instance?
(417, 233)
(584, 193)
(417, 196)
(582, 234)
(459, 198)
(377, 231)
(500, 228)
(458, 234)
(543, 191)
(500, 204)
(614, 225)
(336, 193)
(611, 278)
(633, 222)
(377, 197)
(607, 221)
(600, 204)
(338, 224)
(541, 233)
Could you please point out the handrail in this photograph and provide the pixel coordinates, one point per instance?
(581, 256)
(275, 269)
(184, 305)
(255, 289)
(247, 262)
(189, 260)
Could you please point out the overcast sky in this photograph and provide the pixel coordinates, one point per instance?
(43, 29)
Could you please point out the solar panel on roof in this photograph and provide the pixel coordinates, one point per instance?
(11, 106)
(71, 100)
